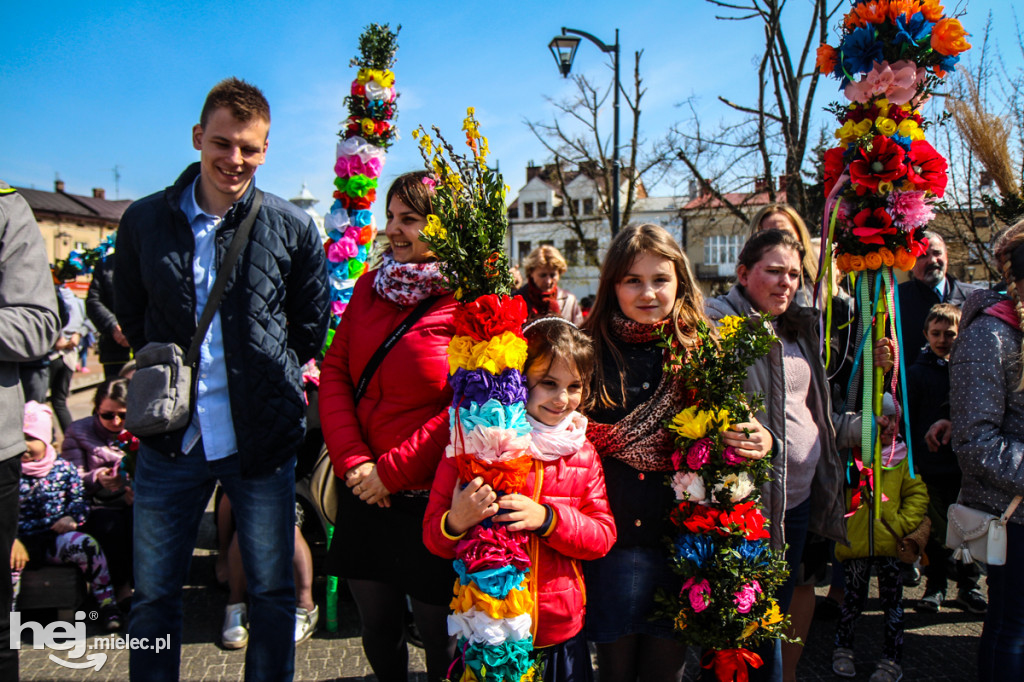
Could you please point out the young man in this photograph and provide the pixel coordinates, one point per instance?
(928, 392)
(248, 407)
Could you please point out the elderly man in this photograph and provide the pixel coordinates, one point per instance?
(929, 284)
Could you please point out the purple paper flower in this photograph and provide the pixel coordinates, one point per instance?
(509, 387)
(698, 454)
(479, 386)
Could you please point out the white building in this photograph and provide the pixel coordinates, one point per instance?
(306, 201)
(541, 214)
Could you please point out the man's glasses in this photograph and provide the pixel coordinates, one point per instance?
(109, 416)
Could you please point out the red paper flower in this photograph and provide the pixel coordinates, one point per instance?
(926, 168)
(494, 547)
(871, 226)
(834, 166)
(702, 520)
(885, 162)
(490, 316)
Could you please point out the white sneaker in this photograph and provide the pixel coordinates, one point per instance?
(234, 634)
(305, 623)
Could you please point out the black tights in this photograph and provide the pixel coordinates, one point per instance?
(641, 657)
(382, 611)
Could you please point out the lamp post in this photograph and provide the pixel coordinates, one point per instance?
(563, 48)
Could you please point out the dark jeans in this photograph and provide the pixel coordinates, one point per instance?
(111, 370)
(10, 475)
(60, 386)
(171, 494)
(35, 380)
(1001, 653)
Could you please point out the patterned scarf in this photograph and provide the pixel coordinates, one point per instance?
(641, 439)
(406, 284)
(540, 303)
(548, 443)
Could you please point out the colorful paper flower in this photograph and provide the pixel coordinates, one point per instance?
(746, 596)
(926, 168)
(949, 37)
(871, 226)
(884, 161)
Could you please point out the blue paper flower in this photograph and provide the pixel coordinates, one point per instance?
(948, 63)
(755, 552)
(695, 548)
(496, 582)
(913, 30)
(860, 50)
(492, 413)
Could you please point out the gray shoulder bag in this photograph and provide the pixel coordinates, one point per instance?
(160, 393)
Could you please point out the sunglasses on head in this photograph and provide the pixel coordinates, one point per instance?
(110, 415)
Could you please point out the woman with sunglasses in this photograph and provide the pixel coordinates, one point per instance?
(94, 446)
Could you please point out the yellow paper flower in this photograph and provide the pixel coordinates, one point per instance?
(752, 626)
(364, 76)
(729, 325)
(460, 352)
(368, 126)
(516, 603)
(773, 616)
(468, 675)
(907, 127)
(385, 78)
(723, 419)
(434, 228)
(499, 353)
(692, 423)
(886, 126)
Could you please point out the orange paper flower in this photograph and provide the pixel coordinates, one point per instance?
(508, 476)
(873, 260)
(932, 10)
(949, 38)
(827, 58)
(887, 258)
(904, 261)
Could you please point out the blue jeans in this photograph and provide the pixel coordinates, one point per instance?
(171, 494)
(1001, 653)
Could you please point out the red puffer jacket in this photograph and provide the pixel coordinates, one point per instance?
(401, 423)
(584, 530)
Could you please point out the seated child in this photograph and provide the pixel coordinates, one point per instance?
(904, 503)
(569, 516)
(52, 509)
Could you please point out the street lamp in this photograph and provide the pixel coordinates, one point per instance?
(563, 48)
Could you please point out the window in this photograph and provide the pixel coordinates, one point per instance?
(81, 246)
(527, 210)
(981, 221)
(513, 213)
(524, 251)
(542, 209)
(588, 207)
(558, 211)
(722, 249)
(571, 251)
(576, 206)
(546, 242)
(590, 251)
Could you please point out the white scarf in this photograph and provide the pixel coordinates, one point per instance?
(565, 438)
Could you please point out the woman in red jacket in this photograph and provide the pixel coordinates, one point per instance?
(385, 444)
(563, 502)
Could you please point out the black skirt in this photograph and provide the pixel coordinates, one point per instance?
(386, 545)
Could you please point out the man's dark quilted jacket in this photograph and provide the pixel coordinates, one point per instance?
(274, 313)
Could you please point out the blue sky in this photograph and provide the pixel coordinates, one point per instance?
(87, 86)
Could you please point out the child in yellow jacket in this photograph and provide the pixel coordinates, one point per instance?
(904, 505)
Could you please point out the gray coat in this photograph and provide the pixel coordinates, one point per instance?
(29, 323)
(767, 377)
(987, 411)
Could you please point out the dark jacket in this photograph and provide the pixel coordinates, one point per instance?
(274, 313)
(986, 409)
(838, 429)
(928, 402)
(99, 307)
(916, 299)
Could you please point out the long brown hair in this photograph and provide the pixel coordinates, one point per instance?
(1005, 245)
(808, 262)
(631, 243)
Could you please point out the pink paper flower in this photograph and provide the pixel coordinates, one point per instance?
(699, 594)
(910, 210)
(342, 250)
(731, 458)
(698, 454)
(897, 82)
(747, 596)
(486, 548)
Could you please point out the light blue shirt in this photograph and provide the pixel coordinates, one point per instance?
(211, 418)
(940, 289)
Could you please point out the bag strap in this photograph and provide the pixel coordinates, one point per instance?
(226, 266)
(1009, 510)
(889, 528)
(389, 343)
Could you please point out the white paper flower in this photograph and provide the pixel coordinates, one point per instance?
(689, 486)
(740, 486)
(478, 627)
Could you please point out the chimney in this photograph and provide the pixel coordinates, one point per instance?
(783, 182)
(99, 193)
(692, 189)
(58, 186)
(532, 171)
(760, 185)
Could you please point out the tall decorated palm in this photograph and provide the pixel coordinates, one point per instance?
(493, 608)
(884, 177)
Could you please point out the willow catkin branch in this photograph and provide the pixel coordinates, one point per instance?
(986, 134)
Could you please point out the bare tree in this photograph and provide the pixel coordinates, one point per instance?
(774, 127)
(578, 144)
